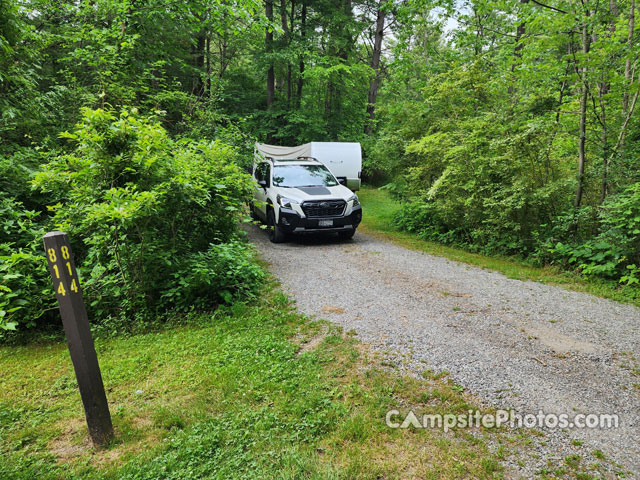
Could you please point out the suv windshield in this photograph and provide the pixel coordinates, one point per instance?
(303, 176)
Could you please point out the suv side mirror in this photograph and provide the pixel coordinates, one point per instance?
(262, 183)
(342, 181)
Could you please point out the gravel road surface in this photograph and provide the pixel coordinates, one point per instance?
(511, 343)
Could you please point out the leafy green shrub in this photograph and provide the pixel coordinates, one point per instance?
(152, 221)
(16, 171)
(25, 290)
(174, 104)
(615, 252)
(621, 222)
(595, 258)
(423, 217)
(222, 273)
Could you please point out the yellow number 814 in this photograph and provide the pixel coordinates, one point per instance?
(52, 253)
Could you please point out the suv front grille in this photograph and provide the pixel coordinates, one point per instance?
(324, 208)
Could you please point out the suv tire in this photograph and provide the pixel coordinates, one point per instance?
(276, 235)
(252, 212)
(347, 235)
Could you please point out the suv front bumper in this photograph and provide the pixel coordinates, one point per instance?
(291, 222)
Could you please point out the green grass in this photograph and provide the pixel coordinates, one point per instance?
(380, 209)
(231, 395)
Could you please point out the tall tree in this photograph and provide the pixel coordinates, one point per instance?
(303, 35)
(517, 51)
(627, 65)
(271, 78)
(375, 64)
(584, 96)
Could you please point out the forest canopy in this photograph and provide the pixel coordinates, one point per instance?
(506, 127)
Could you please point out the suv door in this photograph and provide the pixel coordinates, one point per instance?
(262, 172)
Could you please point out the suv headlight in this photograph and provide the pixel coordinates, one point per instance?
(355, 200)
(286, 202)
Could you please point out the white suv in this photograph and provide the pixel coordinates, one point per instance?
(302, 196)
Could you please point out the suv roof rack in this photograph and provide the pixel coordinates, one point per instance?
(303, 158)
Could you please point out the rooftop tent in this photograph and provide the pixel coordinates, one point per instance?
(344, 159)
(276, 152)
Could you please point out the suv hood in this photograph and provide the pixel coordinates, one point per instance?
(300, 194)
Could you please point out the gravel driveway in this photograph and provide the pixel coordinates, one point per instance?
(513, 344)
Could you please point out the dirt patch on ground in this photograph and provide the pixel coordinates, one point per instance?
(559, 342)
(332, 309)
(74, 442)
(313, 342)
(67, 445)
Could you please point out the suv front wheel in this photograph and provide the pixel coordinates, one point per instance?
(347, 234)
(276, 235)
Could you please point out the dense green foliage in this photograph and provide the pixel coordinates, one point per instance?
(152, 222)
(156, 217)
(485, 125)
(151, 213)
(506, 126)
(153, 218)
(25, 290)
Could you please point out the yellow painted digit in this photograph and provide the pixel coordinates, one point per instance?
(52, 254)
(68, 266)
(74, 286)
(65, 252)
(61, 290)
(55, 269)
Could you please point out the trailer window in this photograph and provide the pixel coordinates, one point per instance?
(303, 176)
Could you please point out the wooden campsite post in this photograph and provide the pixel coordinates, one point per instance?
(76, 327)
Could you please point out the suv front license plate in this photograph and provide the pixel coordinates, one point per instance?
(325, 223)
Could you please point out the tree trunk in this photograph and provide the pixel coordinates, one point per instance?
(333, 104)
(586, 43)
(223, 51)
(292, 18)
(520, 31)
(328, 98)
(303, 34)
(286, 30)
(271, 79)
(605, 87)
(605, 156)
(479, 32)
(375, 65)
(288, 86)
(627, 66)
(208, 50)
(563, 86)
(283, 17)
(198, 85)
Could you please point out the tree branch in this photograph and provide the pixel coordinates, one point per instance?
(548, 6)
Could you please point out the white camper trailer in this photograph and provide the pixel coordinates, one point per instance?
(343, 159)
